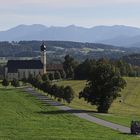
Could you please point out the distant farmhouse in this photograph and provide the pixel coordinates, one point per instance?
(20, 69)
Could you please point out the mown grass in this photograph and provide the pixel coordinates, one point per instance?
(122, 111)
(22, 117)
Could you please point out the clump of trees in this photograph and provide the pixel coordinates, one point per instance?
(60, 93)
(81, 71)
(104, 84)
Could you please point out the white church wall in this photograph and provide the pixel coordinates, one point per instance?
(25, 73)
(11, 76)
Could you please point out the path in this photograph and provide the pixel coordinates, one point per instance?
(79, 113)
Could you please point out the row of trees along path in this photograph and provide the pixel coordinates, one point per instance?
(58, 92)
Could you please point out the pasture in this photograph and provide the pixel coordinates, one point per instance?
(23, 117)
(122, 111)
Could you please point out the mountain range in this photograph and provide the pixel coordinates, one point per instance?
(118, 35)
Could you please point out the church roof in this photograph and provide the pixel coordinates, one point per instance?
(14, 65)
(54, 67)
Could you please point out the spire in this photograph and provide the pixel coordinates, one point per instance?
(43, 47)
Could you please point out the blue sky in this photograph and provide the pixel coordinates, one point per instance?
(86, 13)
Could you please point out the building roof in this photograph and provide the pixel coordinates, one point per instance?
(54, 67)
(14, 65)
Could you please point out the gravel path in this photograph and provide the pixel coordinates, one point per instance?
(79, 113)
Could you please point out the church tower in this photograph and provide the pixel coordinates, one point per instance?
(43, 57)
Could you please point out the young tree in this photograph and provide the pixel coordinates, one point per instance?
(45, 77)
(51, 76)
(63, 74)
(15, 83)
(46, 87)
(5, 82)
(57, 75)
(24, 80)
(68, 94)
(103, 87)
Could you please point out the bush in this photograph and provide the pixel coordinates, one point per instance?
(57, 75)
(51, 76)
(68, 94)
(15, 83)
(45, 77)
(5, 82)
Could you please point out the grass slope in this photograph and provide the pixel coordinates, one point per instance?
(120, 112)
(22, 117)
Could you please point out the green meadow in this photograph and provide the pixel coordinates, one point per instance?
(23, 117)
(122, 111)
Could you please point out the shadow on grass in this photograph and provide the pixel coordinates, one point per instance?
(65, 112)
(45, 101)
(129, 134)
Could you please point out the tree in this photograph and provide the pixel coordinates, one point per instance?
(82, 70)
(57, 75)
(68, 94)
(103, 87)
(69, 65)
(51, 76)
(5, 82)
(46, 87)
(63, 74)
(45, 77)
(15, 83)
(54, 91)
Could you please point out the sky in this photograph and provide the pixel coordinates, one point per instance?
(86, 13)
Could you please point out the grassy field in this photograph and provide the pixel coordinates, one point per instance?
(22, 117)
(122, 111)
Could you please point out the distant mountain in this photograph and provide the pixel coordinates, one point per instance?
(114, 35)
(125, 41)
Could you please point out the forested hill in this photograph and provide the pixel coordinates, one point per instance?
(58, 49)
(133, 59)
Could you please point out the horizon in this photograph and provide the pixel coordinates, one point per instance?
(65, 26)
(85, 13)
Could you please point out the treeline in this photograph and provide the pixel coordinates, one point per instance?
(133, 59)
(81, 71)
(60, 93)
(32, 49)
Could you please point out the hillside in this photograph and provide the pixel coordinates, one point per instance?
(25, 118)
(117, 35)
(56, 50)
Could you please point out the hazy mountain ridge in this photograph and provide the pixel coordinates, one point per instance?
(117, 35)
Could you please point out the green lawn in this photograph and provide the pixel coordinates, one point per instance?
(120, 112)
(22, 117)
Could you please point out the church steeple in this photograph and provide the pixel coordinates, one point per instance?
(43, 56)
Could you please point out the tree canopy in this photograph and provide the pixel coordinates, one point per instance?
(104, 85)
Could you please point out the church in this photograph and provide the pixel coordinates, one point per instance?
(20, 69)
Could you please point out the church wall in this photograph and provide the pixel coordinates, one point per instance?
(25, 73)
(11, 76)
